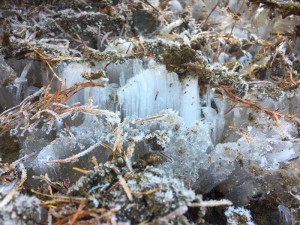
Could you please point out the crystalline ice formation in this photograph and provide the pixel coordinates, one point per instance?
(215, 145)
(269, 147)
(187, 145)
(103, 98)
(21, 210)
(85, 131)
(149, 92)
(190, 102)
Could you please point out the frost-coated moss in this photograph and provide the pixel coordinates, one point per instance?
(154, 193)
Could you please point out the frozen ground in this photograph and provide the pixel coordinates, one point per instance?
(150, 112)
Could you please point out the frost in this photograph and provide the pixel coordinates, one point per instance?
(238, 216)
(149, 98)
(154, 193)
(21, 210)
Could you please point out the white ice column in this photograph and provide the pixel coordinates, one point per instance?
(190, 102)
(149, 92)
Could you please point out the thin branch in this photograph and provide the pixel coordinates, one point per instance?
(211, 203)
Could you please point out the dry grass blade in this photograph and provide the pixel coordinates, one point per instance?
(83, 171)
(108, 147)
(123, 183)
(43, 56)
(147, 192)
(127, 176)
(50, 183)
(57, 199)
(50, 216)
(177, 212)
(242, 132)
(212, 10)
(130, 149)
(125, 186)
(75, 216)
(119, 141)
(85, 215)
(44, 106)
(148, 119)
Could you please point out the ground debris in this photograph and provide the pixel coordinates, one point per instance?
(115, 109)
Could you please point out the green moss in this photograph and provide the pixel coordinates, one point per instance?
(175, 57)
(289, 8)
(225, 77)
(186, 61)
(110, 56)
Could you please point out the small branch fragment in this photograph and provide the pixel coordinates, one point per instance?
(211, 203)
(74, 158)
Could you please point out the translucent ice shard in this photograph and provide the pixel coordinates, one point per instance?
(149, 92)
(190, 102)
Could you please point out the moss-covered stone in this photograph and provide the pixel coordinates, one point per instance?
(289, 8)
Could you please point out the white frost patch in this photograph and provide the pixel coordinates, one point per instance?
(238, 216)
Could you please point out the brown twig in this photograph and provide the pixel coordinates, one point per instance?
(76, 215)
(275, 115)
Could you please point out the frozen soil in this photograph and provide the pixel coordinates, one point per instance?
(150, 112)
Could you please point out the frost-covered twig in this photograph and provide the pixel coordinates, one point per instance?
(168, 28)
(26, 100)
(123, 183)
(28, 113)
(74, 158)
(211, 203)
(148, 119)
(177, 212)
(15, 163)
(275, 115)
(57, 197)
(125, 186)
